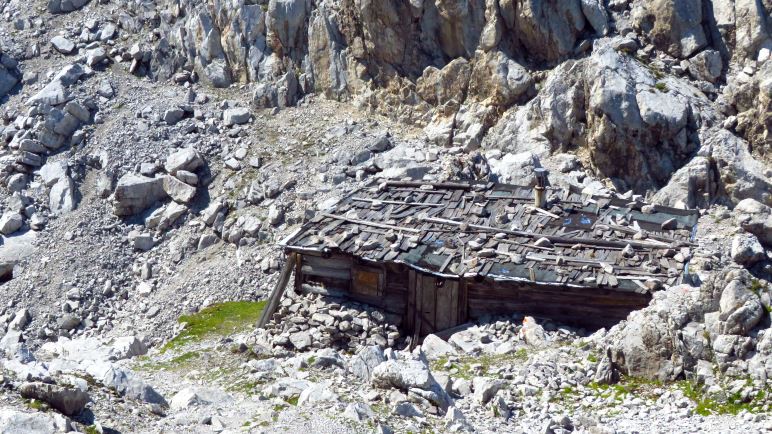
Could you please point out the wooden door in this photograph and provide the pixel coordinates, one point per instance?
(436, 304)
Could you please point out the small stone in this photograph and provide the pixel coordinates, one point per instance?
(62, 44)
(172, 116)
(236, 116)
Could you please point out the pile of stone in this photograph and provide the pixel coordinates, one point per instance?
(307, 322)
(176, 180)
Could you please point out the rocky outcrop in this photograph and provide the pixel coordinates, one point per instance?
(684, 325)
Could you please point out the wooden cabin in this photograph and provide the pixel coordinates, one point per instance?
(438, 255)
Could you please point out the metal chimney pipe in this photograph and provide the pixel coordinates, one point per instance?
(540, 190)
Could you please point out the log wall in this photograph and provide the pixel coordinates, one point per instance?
(591, 308)
(336, 276)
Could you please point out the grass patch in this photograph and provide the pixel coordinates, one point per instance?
(293, 400)
(661, 86)
(34, 404)
(467, 366)
(219, 319)
(178, 363)
(733, 403)
(91, 429)
(640, 387)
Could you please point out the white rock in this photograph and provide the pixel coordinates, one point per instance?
(435, 347)
(236, 116)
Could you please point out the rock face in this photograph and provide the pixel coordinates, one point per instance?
(674, 27)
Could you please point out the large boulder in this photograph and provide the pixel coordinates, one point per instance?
(740, 308)
(64, 6)
(18, 422)
(365, 360)
(187, 159)
(409, 375)
(136, 193)
(547, 30)
(62, 197)
(197, 396)
(435, 347)
(746, 250)
(124, 381)
(178, 190)
(10, 222)
(69, 401)
(756, 218)
(56, 91)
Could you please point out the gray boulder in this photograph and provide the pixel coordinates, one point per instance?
(410, 374)
(10, 222)
(62, 197)
(366, 359)
(301, 340)
(740, 308)
(172, 116)
(747, 250)
(706, 65)
(179, 191)
(18, 422)
(55, 92)
(187, 159)
(434, 347)
(674, 27)
(62, 44)
(236, 116)
(197, 396)
(124, 381)
(53, 171)
(68, 401)
(64, 6)
(485, 388)
(596, 15)
(136, 193)
(17, 182)
(647, 344)
(756, 218)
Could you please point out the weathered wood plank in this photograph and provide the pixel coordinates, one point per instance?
(278, 291)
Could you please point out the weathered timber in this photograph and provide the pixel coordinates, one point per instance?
(278, 290)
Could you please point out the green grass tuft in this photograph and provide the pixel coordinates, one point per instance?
(662, 87)
(708, 404)
(219, 319)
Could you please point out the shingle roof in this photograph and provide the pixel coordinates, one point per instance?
(493, 230)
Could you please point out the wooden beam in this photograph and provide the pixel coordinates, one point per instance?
(278, 291)
(334, 273)
(326, 291)
(369, 223)
(395, 202)
(442, 185)
(553, 238)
